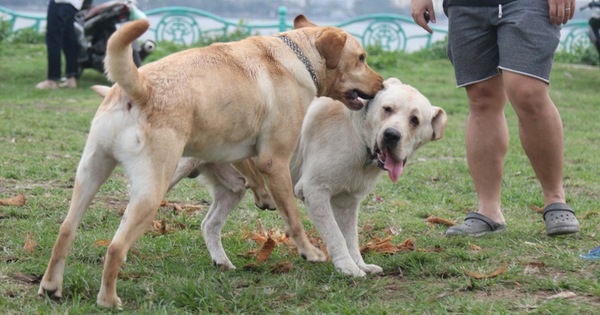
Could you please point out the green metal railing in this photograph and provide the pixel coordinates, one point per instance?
(33, 21)
(184, 25)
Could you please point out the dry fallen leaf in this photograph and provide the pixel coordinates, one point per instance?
(101, 243)
(14, 201)
(259, 239)
(283, 267)
(249, 254)
(474, 247)
(29, 243)
(536, 208)
(265, 251)
(435, 220)
(408, 245)
(496, 273)
(380, 246)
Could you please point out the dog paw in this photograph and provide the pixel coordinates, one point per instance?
(352, 270)
(371, 269)
(224, 265)
(50, 290)
(313, 254)
(114, 302)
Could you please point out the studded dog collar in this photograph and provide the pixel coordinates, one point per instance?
(302, 58)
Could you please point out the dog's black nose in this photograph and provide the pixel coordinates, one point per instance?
(391, 137)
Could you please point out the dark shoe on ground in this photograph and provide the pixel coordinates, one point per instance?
(476, 225)
(560, 219)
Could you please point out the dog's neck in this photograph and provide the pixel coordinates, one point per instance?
(372, 159)
(371, 156)
(302, 58)
(367, 107)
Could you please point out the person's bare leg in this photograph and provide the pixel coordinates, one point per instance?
(540, 130)
(487, 143)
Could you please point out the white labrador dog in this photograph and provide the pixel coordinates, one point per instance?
(339, 158)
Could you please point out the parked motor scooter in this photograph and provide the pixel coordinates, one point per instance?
(594, 22)
(95, 24)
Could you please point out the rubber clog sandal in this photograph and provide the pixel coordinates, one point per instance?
(560, 219)
(476, 225)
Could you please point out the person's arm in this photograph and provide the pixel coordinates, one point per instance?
(421, 8)
(561, 11)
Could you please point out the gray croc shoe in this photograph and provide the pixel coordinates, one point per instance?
(476, 225)
(560, 219)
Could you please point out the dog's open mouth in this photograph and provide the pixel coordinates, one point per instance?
(386, 161)
(354, 98)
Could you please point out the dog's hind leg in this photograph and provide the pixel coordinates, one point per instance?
(187, 167)
(94, 168)
(227, 189)
(279, 182)
(149, 173)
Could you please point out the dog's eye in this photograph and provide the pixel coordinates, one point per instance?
(362, 58)
(414, 121)
(388, 110)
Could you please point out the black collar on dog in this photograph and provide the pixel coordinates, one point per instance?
(371, 157)
(302, 58)
(367, 106)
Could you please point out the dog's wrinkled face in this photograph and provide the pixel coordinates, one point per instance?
(402, 120)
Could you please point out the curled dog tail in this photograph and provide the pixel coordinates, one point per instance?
(119, 65)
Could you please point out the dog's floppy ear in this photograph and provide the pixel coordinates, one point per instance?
(101, 90)
(330, 44)
(438, 123)
(391, 81)
(302, 21)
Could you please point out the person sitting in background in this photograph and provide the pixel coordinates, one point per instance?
(60, 36)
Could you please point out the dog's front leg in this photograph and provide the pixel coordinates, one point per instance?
(276, 173)
(317, 199)
(346, 216)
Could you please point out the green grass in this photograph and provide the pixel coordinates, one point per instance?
(42, 134)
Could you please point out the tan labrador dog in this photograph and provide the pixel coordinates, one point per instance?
(339, 158)
(222, 103)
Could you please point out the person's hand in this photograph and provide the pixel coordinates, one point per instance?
(561, 11)
(419, 9)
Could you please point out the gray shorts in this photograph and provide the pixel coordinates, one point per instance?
(483, 41)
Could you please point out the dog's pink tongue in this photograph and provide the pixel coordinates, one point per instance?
(394, 168)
